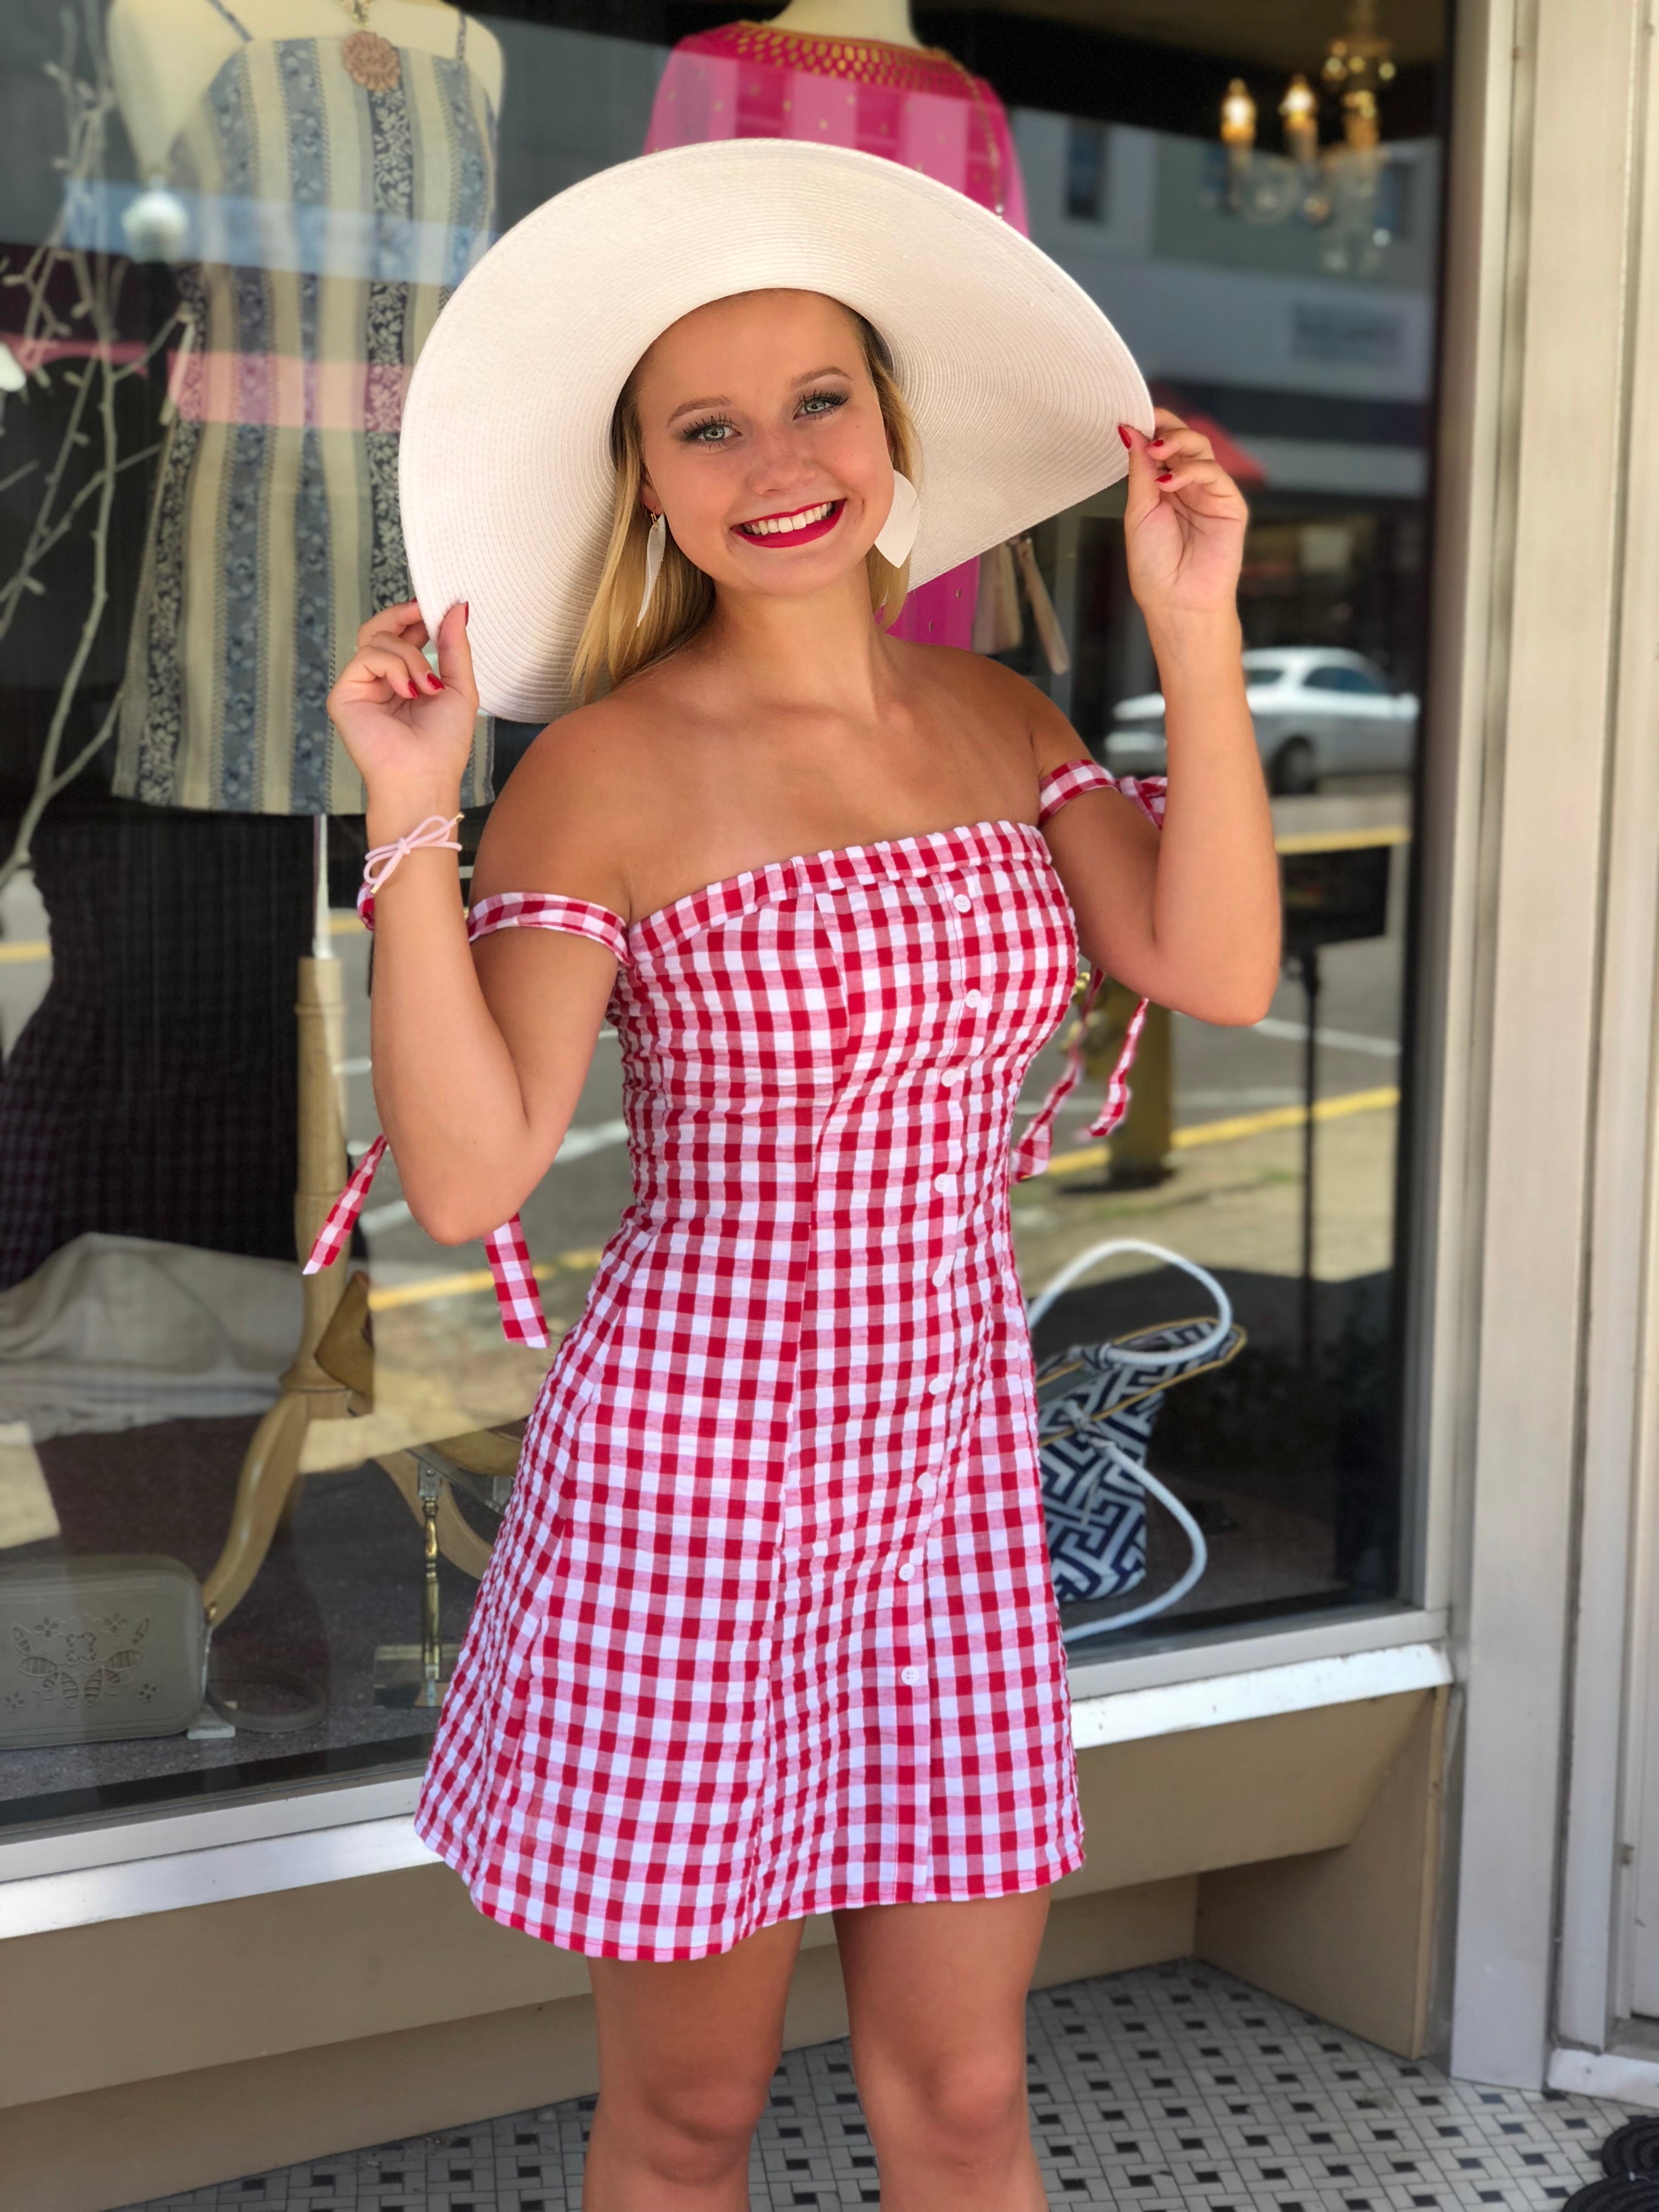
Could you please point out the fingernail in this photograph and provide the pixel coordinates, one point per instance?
(1127, 439)
(466, 610)
(1154, 443)
(436, 682)
(1165, 475)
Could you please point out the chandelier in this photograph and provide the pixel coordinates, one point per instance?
(1338, 188)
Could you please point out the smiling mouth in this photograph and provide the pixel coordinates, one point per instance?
(786, 529)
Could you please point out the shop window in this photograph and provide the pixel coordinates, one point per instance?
(1085, 172)
(185, 1428)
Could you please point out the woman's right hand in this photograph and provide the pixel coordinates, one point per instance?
(408, 732)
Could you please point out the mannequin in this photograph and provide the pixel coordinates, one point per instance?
(854, 73)
(164, 54)
(888, 20)
(339, 175)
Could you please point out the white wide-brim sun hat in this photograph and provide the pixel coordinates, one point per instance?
(1015, 379)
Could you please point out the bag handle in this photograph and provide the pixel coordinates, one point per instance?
(1035, 1308)
(1194, 1568)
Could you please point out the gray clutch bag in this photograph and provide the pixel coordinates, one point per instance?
(94, 1650)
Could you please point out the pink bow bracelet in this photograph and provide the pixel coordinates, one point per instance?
(382, 859)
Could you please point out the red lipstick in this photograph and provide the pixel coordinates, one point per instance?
(803, 535)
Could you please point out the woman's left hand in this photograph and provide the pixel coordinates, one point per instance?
(1183, 527)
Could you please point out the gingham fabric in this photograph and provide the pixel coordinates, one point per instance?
(767, 1629)
(510, 1265)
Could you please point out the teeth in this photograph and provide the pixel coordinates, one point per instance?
(784, 523)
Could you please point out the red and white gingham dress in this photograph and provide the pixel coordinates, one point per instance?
(768, 1629)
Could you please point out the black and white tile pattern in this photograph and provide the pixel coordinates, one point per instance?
(1172, 2089)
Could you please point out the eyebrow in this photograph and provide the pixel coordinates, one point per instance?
(720, 399)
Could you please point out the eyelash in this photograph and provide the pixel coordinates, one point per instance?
(692, 433)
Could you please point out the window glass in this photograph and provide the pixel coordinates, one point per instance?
(1342, 676)
(215, 1470)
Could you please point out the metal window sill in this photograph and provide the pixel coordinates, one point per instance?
(169, 1864)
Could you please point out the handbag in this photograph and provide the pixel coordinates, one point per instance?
(95, 1650)
(105, 1651)
(1097, 1407)
(999, 626)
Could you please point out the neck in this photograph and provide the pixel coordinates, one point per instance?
(886, 20)
(821, 655)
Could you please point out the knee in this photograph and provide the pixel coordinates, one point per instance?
(966, 2112)
(696, 2132)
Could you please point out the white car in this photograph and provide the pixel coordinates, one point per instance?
(1318, 711)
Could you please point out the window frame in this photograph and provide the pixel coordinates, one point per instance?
(364, 1825)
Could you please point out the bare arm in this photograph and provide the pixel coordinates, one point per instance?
(1189, 917)
(479, 1057)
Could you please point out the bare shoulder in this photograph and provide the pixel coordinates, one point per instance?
(561, 823)
(1007, 706)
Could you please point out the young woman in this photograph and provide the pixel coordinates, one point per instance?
(767, 1631)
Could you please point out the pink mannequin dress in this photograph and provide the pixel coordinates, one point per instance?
(914, 105)
(768, 1628)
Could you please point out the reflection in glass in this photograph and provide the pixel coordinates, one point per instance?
(1285, 303)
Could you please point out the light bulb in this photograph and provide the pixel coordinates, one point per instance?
(1238, 115)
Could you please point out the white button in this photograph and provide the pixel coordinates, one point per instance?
(926, 1484)
(942, 1272)
(939, 1382)
(906, 1572)
(964, 905)
(951, 1075)
(972, 998)
(946, 1183)
(909, 1673)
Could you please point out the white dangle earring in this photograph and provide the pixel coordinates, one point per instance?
(899, 533)
(655, 544)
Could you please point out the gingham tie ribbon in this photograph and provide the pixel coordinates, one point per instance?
(1030, 1154)
(510, 1269)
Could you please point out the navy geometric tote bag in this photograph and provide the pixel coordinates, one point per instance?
(1096, 1405)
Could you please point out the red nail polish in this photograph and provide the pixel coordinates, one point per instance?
(1164, 475)
(466, 610)
(436, 682)
(1154, 443)
(1127, 439)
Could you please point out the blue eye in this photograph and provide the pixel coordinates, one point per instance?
(814, 405)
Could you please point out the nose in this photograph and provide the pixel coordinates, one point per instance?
(777, 465)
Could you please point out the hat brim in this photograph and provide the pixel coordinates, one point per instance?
(1015, 379)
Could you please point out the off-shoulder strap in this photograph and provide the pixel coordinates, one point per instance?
(533, 910)
(547, 910)
(1031, 1152)
(1071, 782)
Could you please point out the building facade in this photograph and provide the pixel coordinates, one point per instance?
(1365, 1719)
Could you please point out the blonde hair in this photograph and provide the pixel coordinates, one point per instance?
(614, 644)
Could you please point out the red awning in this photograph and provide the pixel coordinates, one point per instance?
(1241, 466)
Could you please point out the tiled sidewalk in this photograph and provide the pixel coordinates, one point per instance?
(1172, 2089)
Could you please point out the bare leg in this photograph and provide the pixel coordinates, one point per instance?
(686, 2052)
(937, 1995)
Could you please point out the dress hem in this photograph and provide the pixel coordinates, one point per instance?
(1070, 1863)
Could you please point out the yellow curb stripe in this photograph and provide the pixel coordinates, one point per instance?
(475, 1278)
(1243, 1125)
(1342, 840)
